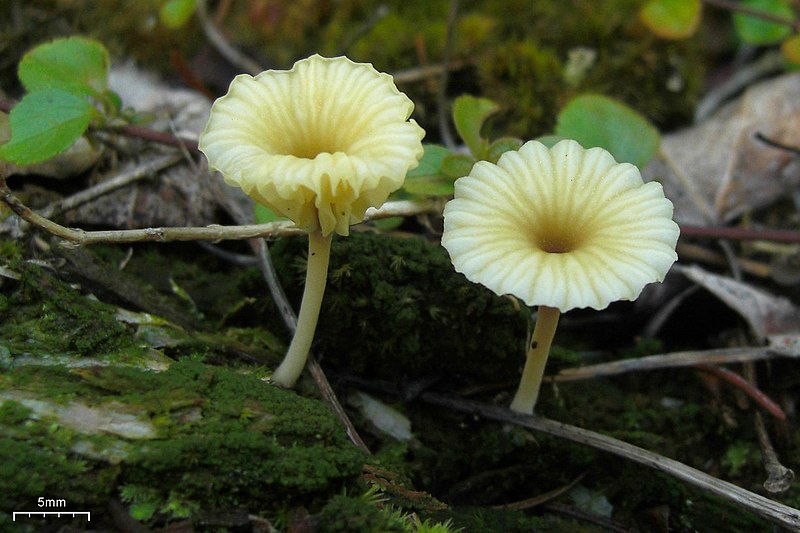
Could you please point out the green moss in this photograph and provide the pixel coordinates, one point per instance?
(395, 307)
(13, 413)
(526, 66)
(52, 318)
(490, 520)
(526, 77)
(226, 440)
(344, 514)
(37, 462)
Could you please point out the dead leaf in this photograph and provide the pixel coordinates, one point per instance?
(765, 313)
(720, 165)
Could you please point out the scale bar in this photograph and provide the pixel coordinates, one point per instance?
(45, 513)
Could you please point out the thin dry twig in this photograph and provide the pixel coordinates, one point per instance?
(212, 232)
(773, 511)
(758, 13)
(290, 319)
(122, 179)
(220, 43)
(670, 360)
(755, 394)
(741, 234)
(779, 478)
(444, 124)
(540, 499)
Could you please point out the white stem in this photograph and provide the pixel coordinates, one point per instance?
(539, 349)
(319, 251)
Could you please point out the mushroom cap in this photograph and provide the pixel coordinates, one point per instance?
(563, 227)
(318, 144)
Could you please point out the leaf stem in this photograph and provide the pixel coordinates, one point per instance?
(538, 350)
(319, 251)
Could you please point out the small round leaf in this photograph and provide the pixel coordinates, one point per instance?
(671, 19)
(469, 114)
(596, 120)
(175, 13)
(44, 124)
(76, 65)
(754, 30)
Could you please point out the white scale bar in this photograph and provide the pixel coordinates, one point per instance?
(44, 513)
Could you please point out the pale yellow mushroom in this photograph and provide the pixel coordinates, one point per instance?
(559, 228)
(318, 144)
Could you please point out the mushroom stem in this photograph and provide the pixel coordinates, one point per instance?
(319, 251)
(539, 349)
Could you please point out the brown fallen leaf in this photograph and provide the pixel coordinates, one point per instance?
(766, 314)
(717, 170)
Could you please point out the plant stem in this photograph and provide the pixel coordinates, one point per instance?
(319, 251)
(539, 349)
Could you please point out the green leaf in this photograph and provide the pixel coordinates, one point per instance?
(754, 30)
(175, 13)
(550, 140)
(427, 179)
(76, 65)
(431, 162)
(469, 114)
(671, 19)
(457, 165)
(44, 124)
(264, 214)
(388, 224)
(501, 146)
(429, 186)
(595, 120)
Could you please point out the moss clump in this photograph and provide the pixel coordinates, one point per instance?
(344, 514)
(395, 307)
(528, 65)
(224, 441)
(52, 318)
(526, 77)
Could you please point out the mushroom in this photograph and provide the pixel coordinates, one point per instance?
(318, 144)
(559, 228)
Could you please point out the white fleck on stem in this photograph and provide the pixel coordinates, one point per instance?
(319, 251)
(538, 350)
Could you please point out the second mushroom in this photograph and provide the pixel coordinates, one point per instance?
(559, 228)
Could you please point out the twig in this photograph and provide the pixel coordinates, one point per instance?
(541, 498)
(221, 44)
(104, 187)
(794, 150)
(443, 115)
(670, 360)
(427, 71)
(688, 251)
(279, 228)
(380, 13)
(779, 478)
(770, 62)
(756, 394)
(579, 514)
(290, 319)
(763, 15)
(160, 137)
(776, 512)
